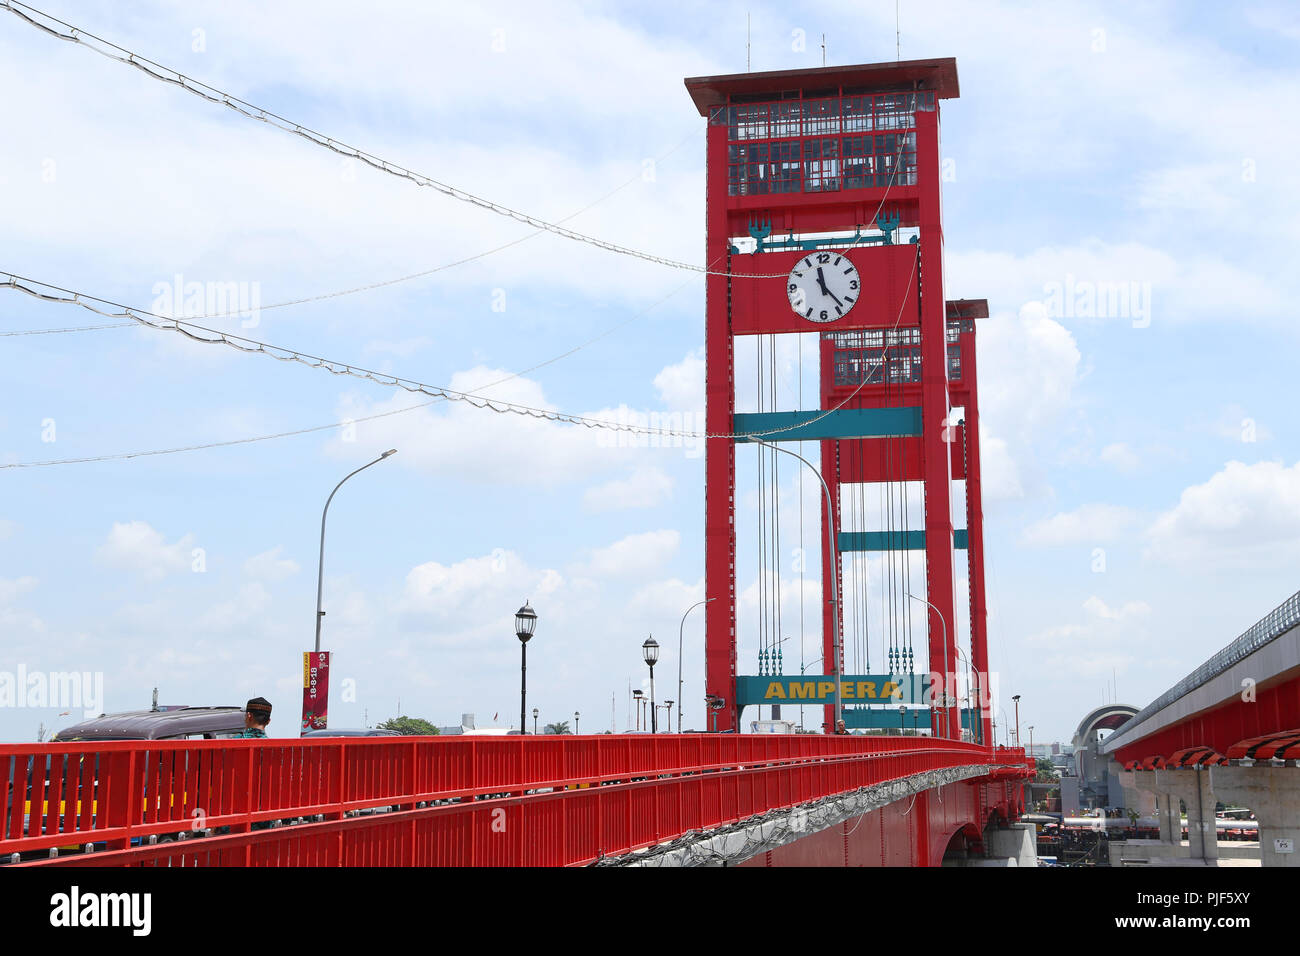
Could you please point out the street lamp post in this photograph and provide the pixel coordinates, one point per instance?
(650, 651)
(534, 721)
(1016, 698)
(802, 669)
(945, 659)
(320, 574)
(525, 624)
(834, 575)
(576, 715)
(1031, 742)
(669, 705)
(679, 658)
(636, 697)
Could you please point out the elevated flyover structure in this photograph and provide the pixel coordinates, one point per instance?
(1227, 732)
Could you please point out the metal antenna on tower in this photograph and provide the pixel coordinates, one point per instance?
(746, 42)
(823, 49)
(898, 42)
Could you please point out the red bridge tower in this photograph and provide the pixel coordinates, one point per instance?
(824, 216)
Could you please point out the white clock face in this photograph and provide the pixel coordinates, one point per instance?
(823, 286)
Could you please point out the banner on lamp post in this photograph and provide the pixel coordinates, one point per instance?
(315, 689)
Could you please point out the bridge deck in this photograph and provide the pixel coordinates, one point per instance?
(428, 800)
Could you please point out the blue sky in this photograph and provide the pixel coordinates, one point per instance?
(1144, 145)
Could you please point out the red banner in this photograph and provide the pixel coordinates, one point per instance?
(315, 689)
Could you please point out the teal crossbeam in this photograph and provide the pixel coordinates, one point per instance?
(892, 540)
(818, 425)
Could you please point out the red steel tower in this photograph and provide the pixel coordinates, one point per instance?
(822, 172)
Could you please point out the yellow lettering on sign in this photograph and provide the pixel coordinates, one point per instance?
(801, 690)
(306, 669)
(825, 687)
(892, 690)
(774, 689)
(846, 690)
(862, 688)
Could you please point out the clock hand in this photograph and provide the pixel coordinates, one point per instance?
(821, 281)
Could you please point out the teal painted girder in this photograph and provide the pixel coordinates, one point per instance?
(892, 540)
(816, 425)
(914, 718)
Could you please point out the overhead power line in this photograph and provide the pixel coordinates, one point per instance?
(214, 444)
(210, 93)
(83, 328)
(316, 428)
(190, 330)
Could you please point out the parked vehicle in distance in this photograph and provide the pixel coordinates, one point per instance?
(351, 732)
(184, 723)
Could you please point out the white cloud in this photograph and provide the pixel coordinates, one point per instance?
(1102, 643)
(1089, 524)
(1234, 423)
(1028, 369)
(643, 488)
(1120, 455)
(136, 546)
(7, 529)
(681, 386)
(1000, 476)
(269, 566)
(635, 554)
(474, 598)
(10, 588)
(1242, 513)
(475, 445)
(227, 616)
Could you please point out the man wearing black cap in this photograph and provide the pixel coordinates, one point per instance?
(257, 714)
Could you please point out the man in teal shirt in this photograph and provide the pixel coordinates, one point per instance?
(257, 714)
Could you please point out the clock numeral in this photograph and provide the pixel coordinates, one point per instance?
(854, 284)
(823, 257)
(793, 287)
(825, 316)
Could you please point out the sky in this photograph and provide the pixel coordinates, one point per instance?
(1142, 477)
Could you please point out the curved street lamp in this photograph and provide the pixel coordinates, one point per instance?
(679, 659)
(534, 721)
(946, 729)
(834, 553)
(650, 651)
(525, 624)
(320, 574)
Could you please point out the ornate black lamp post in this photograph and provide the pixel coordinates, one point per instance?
(650, 651)
(525, 624)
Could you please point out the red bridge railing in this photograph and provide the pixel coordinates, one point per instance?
(557, 800)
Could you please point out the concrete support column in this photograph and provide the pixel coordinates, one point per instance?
(1193, 788)
(1166, 808)
(1274, 794)
(1144, 802)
